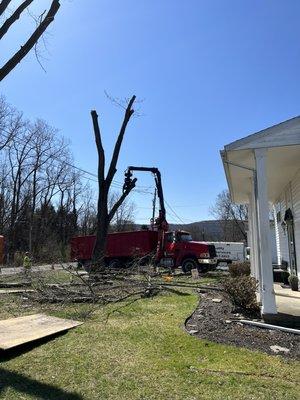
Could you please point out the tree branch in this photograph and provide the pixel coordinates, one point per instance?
(24, 50)
(14, 17)
(3, 5)
(121, 199)
(112, 168)
(101, 154)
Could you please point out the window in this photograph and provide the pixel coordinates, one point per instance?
(185, 237)
(169, 237)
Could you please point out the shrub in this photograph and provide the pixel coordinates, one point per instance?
(239, 269)
(242, 292)
(294, 282)
(285, 277)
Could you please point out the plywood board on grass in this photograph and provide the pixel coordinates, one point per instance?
(17, 331)
(20, 290)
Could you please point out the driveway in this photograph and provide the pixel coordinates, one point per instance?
(35, 268)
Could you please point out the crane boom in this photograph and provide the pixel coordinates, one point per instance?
(161, 221)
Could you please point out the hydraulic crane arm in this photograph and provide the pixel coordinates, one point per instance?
(161, 222)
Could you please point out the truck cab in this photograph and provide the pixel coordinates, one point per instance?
(181, 250)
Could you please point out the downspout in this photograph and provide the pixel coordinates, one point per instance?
(278, 250)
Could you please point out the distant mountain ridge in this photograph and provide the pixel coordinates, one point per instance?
(202, 230)
(213, 230)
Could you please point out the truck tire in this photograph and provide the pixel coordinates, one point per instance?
(188, 264)
(85, 265)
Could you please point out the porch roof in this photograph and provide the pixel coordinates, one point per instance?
(283, 159)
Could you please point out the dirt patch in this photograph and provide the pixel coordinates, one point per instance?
(216, 321)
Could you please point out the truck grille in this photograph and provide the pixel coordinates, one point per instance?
(212, 251)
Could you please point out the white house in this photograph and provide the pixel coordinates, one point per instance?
(263, 171)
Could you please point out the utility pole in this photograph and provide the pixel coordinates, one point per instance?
(154, 207)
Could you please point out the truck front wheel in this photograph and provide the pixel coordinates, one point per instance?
(188, 264)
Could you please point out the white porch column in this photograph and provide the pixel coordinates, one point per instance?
(251, 241)
(265, 258)
(254, 247)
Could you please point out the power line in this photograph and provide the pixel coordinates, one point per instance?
(174, 212)
(116, 184)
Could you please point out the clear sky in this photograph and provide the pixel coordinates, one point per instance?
(209, 72)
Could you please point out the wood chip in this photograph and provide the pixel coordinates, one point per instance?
(279, 349)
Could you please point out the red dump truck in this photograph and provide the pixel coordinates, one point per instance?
(177, 249)
(169, 248)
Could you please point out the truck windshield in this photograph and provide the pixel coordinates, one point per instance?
(186, 237)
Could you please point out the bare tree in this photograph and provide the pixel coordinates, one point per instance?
(104, 215)
(36, 170)
(11, 122)
(43, 24)
(87, 212)
(233, 217)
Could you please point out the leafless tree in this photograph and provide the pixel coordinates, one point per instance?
(104, 215)
(36, 172)
(233, 217)
(87, 212)
(45, 20)
(10, 122)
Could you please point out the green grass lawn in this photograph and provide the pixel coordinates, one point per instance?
(142, 352)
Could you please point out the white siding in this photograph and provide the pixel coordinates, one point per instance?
(295, 191)
(290, 198)
(273, 244)
(281, 207)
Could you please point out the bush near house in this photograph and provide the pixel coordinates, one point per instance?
(239, 269)
(294, 282)
(242, 292)
(284, 277)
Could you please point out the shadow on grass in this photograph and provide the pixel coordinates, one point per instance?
(32, 387)
(26, 347)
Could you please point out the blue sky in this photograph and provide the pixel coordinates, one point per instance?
(209, 72)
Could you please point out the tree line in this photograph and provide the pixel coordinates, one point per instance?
(44, 198)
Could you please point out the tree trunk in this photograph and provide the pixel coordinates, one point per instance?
(103, 216)
(102, 230)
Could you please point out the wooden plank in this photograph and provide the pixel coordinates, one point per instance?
(20, 290)
(17, 331)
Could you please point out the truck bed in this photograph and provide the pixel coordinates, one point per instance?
(119, 245)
